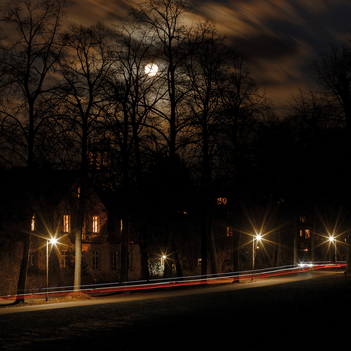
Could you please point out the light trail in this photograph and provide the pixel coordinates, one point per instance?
(195, 280)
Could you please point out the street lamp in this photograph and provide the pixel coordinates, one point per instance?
(52, 241)
(258, 237)
(332, 239)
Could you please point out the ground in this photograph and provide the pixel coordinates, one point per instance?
(305, 315)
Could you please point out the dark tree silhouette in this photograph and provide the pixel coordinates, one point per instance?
(28, 59)
(85, 69)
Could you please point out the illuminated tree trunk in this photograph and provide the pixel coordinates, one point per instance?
(78, 260)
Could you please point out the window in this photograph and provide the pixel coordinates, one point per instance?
(32, 224)
(303, 219)
(95, 224)
(64, 259)
(229, 231)
(66, 223)
(96, 265)
(114, 262)
(307, 233)
(221, 201)
(199, 261)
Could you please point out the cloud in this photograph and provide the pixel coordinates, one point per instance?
(246, 18)
(88, 12)
(283, 37)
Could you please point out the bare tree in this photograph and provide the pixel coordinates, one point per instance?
(28, 60)
(315, 109)
(205, 69)
(242, 105)
(174, 43)
(85, 69)
(132, 92)
(333, 74)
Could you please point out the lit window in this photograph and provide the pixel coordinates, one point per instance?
(114, 261)
(95, 224)
(66, 223)
(199, 261)
(221, 201)
(307, 233)
(32, 225)
(229, 231)
(300, 232)
(78, 193)
(96, 260)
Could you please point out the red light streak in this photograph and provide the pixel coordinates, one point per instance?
(243, 276)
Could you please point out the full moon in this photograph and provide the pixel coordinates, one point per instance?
(151, 69)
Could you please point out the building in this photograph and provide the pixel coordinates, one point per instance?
(45, 204)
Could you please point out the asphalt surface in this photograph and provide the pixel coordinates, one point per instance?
(308, 311)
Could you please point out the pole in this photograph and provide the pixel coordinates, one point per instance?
(253, 257)
(47, 270)
(336, 257)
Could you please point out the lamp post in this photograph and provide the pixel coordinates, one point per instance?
(332, 239)
(52, 241)
(257, 237)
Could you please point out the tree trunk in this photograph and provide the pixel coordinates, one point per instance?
(21, 285)
(167, 273)
(203, 230)
(235, 253)
(78, 260)
(144, 262)
(124, 251)
(177, 261)
(348, 258)
(213, 251)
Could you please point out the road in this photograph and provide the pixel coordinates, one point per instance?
(162, 294)
(307, 310)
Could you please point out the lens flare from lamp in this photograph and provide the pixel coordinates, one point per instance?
(53, 241)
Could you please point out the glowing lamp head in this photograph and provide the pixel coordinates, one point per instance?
(53, 241)
(258, 237)
(331, 239)
(151, 69)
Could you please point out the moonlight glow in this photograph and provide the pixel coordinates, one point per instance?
(151, 69)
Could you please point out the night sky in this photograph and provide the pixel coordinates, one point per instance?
(282, 37)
